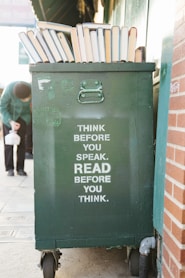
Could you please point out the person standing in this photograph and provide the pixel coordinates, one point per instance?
(15, 109)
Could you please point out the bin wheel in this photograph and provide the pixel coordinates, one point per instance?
(134, 262)
(48, 266)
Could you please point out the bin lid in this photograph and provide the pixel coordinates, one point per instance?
(92, 67)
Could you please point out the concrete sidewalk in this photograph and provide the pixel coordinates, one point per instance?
(18, 257)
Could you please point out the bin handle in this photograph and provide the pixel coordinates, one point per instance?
(90, 95)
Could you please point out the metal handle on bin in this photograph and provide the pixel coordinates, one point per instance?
(90, 95)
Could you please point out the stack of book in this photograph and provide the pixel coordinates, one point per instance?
(85, 43)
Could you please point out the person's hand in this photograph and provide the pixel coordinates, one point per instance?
(14, 125)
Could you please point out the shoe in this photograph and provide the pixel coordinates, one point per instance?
(28, 155)
(21, 173)
(11, 173)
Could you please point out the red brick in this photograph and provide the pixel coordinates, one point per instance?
(176, 137)
(179, 254)
(166, 256)
(172, 247)
(178, 69)
(179, 194)
(167, 222)
(181, 120)
(165, 272)
(178, 233)
(182, 83)
(180, 156)
(173, 267)
(177, 86)
(178, 52)
(175, 172)
(177, 102)
(176, 211)
(168, 186)
(172, 120)
(181, 273)
(170, 152)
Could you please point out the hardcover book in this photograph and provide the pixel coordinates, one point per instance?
(81, 42)
(115, 43)
(52, 46)
(107, 34)
(45, 46)
(75, 45)
(124, 44)
(66, 46)
(30, 49)
(101, 44)
(88, 45)
(132, 40)
(37, 46)
(54, 26)
(94, 43)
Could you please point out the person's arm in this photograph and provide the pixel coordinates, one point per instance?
(5, 101)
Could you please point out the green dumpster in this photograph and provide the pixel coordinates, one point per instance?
(93, 154)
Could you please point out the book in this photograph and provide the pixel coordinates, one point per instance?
(88, 45)
(54, 26)
(45, 46)
(132, 40)
(115, 43)
(140, 54)
(54, 35)
(81, 42)
(66, 46)
(124, 43)
(92, 25)
(101, 44)
(107, 37)
(94, 43)
(37, 46)
(51, 42)
(30, 49)
(75, 45)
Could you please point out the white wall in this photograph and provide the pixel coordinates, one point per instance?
(10, 69)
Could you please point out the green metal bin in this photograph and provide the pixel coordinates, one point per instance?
(93, 154)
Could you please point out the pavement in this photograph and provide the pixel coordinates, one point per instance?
(18, 256)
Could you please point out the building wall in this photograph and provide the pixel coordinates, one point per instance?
(173, 259)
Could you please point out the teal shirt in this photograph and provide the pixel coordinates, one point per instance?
(12, 108)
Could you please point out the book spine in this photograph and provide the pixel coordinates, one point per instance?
(75, 45)
(30, 49)
(124, 44)
(115, 43)
(81, 43)
(94, 43)
(37, 46)
(132, 39)
(66, 46)
(108, 46)
(101, 44)
(88, 45)
(44, 45)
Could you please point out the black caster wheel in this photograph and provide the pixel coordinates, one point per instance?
(48, 266)
(134, 262)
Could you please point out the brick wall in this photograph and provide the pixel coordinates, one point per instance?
(173, 264)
